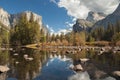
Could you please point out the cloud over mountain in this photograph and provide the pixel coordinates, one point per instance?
(80, 8)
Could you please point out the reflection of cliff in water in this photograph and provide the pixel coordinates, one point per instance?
(23, 69)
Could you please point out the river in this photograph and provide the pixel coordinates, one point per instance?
(32, 64)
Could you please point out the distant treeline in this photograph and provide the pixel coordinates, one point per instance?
(111, 33)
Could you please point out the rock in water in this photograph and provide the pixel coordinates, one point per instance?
(116, 73)
(4, 69)
(80, 76)
(78, 67)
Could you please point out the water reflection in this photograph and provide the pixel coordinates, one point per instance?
(25, 69)
(4, 57)
(46, 65)
(80, 76)
(55, 69)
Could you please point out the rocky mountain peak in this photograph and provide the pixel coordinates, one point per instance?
(117, 11)
(29, 14)
(86, 24)
(111, 18)
(95, 16)
(4, 17)
(82, 24)
(10, 20)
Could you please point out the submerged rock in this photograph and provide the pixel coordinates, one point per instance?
(29, 58)
(25, 56)
(16, 54)
(80, 76)
(16, 62)
(77, 67)
(4, 69)
(116, 73)
(84, 59)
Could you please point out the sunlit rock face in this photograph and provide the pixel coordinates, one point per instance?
(87, 24)
(95, 16)
(10, 20)
(4, 17)
(15, 17)
(81, 25)
(112, 18)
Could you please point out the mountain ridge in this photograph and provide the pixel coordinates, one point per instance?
(111, 18)
(87, 24)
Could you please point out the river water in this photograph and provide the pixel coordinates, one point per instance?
(31, 64)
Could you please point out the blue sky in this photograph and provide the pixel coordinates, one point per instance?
(51, 14)
(58, 14)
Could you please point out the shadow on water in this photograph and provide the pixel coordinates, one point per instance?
(30, 64)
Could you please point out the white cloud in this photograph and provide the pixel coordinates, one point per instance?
(53, 1)
(74, 8)
(60, 31)
(64, 31)
(50, 29)
(80, 8)
(70, 24)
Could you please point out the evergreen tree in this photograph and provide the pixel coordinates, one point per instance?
(25, 32)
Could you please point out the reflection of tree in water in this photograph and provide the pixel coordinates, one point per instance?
(4, 60)
(108, 61)
(78, 55)
(26, 70)
(4, 57)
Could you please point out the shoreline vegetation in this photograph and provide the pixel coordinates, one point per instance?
(28, 33)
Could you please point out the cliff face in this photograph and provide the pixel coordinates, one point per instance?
(86, 24)
(112, 18)
(4, 17)
(95, 16)
(15, 17)
(10, 20)
(81, 25)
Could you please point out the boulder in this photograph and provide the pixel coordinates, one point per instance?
(4, 69)
(29, 58)
(78, 67)
(116, 73)
(16, 54)
(25, 56)
(84, 59)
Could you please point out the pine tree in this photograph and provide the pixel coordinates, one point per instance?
(25, 32)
